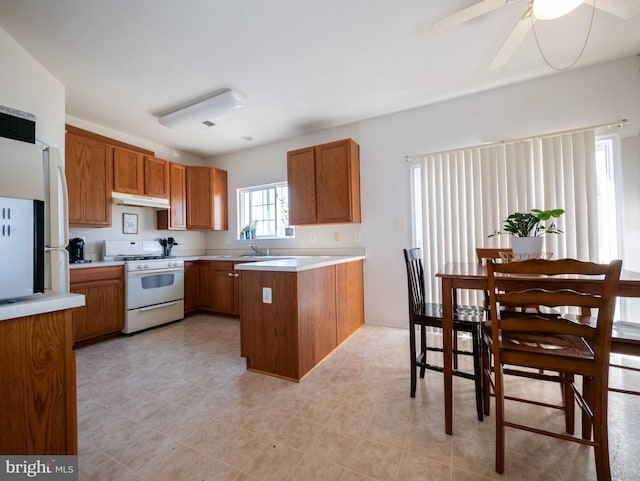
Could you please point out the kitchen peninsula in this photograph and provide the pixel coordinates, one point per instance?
(294, 312)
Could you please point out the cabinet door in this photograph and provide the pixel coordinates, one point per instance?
(128, 171)
(301, 175)
(89, 171)
(338, 182)
(191, 286)
(156, 177)
(175, 217)
(223, 288)
(207, 199)
(199, 205)
(220, 209)
(103, 312)
(206, 268)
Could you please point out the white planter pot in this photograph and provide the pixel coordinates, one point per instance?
(526, 248)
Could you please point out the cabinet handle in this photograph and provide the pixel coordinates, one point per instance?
(231, 274)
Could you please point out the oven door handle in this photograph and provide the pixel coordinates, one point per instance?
(153, 272)
(157, 306)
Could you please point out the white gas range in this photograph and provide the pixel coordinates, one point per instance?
(154, 284)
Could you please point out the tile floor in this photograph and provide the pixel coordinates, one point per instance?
(176, 404)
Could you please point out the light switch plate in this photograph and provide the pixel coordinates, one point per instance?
(266, 295)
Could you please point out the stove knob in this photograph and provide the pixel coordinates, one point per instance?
(173, 264)
(146, 266)
(139, 266)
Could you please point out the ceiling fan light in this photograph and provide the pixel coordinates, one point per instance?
(550, 9)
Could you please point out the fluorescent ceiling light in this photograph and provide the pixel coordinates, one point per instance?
(550, 9)
(207, 109)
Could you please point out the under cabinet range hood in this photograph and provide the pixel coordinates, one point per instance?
(139, 200)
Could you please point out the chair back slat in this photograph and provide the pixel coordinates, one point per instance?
(563, 297)
(415, 279)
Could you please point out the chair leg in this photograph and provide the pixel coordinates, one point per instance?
(455, 350)
(477, 372)
(566, 379)
(486, 379)
(499, 418)
(412, 352)
(587, 394)
(423, 348)
(600, 428)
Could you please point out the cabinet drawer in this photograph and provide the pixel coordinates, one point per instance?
(88, 274)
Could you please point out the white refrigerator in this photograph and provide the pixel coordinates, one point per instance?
(30, 171)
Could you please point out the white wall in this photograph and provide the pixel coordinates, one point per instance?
(189, 242)
(594, 95)
(26, 85)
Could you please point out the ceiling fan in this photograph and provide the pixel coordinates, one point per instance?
(536, 10)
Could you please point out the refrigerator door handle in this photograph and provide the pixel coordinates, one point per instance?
(59, 212)
(65, 204)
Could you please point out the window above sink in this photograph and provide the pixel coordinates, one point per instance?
(263, 211)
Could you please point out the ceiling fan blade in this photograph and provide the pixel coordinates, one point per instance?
(624, 9)
(513, 41)
(468, 13)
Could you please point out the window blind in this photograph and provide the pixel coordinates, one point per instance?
(467, 193)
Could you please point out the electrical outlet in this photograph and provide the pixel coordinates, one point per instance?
(336, 236)
(266, 295)
(313, 238)
(357, 237)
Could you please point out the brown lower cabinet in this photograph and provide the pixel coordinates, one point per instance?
(212, 286)
(38, 385)
(103, 312)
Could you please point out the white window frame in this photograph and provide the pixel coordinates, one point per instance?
(247, 215)
(610, 210)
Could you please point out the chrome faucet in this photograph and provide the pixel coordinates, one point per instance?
(258, 251)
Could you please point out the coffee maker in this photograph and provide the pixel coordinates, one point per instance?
(76, 250)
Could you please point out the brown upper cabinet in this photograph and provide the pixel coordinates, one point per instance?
(176, 217)
(128, 171)
(156, 177)
(206, 198)
(324, 183)
(89, 171)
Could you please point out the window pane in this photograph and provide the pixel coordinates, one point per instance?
(263, 209)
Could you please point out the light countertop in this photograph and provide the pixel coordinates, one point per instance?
(296, 264)
(40, 304)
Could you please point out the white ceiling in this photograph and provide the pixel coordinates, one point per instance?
(303, 65)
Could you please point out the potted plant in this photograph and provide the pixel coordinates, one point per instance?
(527, 228)
(252, 229)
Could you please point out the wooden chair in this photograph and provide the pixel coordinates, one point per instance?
(465, 319)
(496, 253)
(565, 344)
(625, 339)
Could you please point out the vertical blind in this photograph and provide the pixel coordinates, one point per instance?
(467, 193)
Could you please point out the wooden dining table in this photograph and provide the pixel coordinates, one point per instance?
(456, 275)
